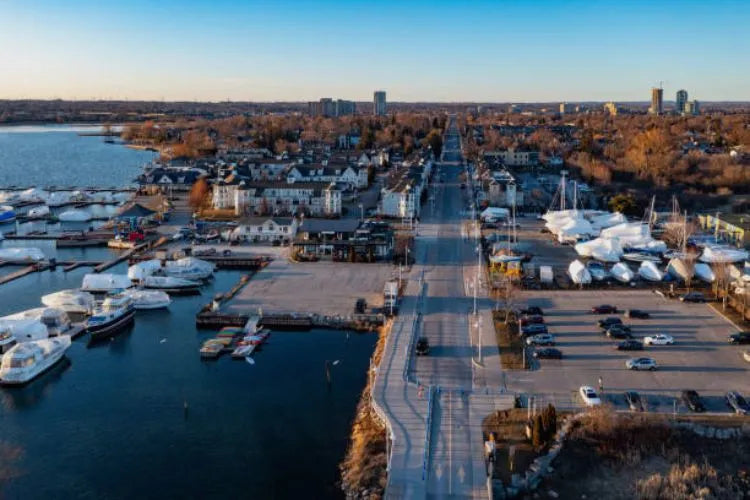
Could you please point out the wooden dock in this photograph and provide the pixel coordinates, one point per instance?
(23, 272)
(213, 320)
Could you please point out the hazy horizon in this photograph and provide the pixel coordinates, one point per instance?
(441, 52)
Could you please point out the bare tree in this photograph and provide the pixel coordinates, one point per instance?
(722, 281)
(508, 293)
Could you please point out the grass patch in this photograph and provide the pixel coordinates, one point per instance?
(509, 342)
(509, 427)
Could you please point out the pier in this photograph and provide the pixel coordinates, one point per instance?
(291, 321)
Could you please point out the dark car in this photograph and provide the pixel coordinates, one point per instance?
(692, 400)
(738, 403)
(629, 345)
(634, 401)
(618, 333)
(739, 338)
(617, 326)
(531, 320)
(532, 310)
(533, 329)
(360, 306)
(463, 186)
(637, 313)
(603, 309)
(693, 297)
(608, 322)
(548, 353)
(423, 346)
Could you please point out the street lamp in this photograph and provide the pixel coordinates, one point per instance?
(361, 212)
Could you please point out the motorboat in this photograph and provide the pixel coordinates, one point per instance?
(649, 272)
(73, 302)
(7, 214)
(723, 253)
(22, 255)
(172, 285)
(119, 243)
(148, 299)
(25, 361)
(679, 269)
(74, 215)
(104, 283)
(25, 330)
(139, 271)
(601, 249)
(7, 340)
(189, 268)
(115, 313)
(597, 270)
(641, 257)
(579, 273)
(55, 320)
(704, 272)
(622, 273)
(38, 212)
(212, 348)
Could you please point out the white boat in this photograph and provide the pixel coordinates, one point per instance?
(55, 320)
(189, 268)
(640, 257)
(601, 249)
(22, 255)
(722, 253)
(38, 211)
(622, 273)
(139, 271)
(704, 272)
(597, 271)
(7, 214)
(71, 301)
(649, 272)
(679, 269)
(33, 194)
(115, 313)
(168, 283)
(7, 340)
(578, 273)
(103, 283)
(25, 361)
(75, 216)
(148, 299)
(121, 244)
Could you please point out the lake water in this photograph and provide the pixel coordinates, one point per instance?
(110, 422)
(55, 155)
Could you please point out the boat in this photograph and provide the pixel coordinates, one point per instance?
(73, 302)
(7, 340)
(22, 255)
(26, 361)
(243, 350)
(38, 212)
(172, 285)
(597, 270)
(104, 283)
(119, 243)
(115, 313)
(723, 253)
(641, 257)
(139, 271)
(212, 348)
(578, 273)
(649, 272)
(25, 330)
(189, 268)
(679, 269)
(7, 214)
(704, 272)
(74, 216)
(622, 273)
(55, 320)
(148, 299)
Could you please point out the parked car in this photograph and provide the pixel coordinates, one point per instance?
(738, 403)
(746, 355)
(589, 396)
(542, 339)
(618, 333)
(604, 309)
(607, 322)
(529, 320)
(658, 339)
(548, 353)
(693, 297)
(423, 346)
(533, 329)
(641, 364)
(692, 400)
(634, 401)
(617, 326)
(637, 313)
(629, 345)
(739, 338)
(532, 310)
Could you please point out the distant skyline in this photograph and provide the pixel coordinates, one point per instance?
(472, 51)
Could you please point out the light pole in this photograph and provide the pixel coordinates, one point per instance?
(361, 212)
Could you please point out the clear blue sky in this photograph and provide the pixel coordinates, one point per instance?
(415, 50)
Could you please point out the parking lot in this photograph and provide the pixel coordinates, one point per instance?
(700, 358)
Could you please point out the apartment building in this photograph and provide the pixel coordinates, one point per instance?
(319, 199)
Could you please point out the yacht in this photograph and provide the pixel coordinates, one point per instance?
(7, 214)
(27, 360)
(189, 268)
(75, 303)
(104, 283)
(7, 340)
(173, 285)
(148, 299)
(115, 313)
(55, 320)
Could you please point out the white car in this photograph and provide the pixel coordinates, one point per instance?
(659, 339)
(589, 396)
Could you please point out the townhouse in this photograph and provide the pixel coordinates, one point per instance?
(319, 199)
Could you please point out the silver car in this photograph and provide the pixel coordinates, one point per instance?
(641, 364)
(542, 339)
